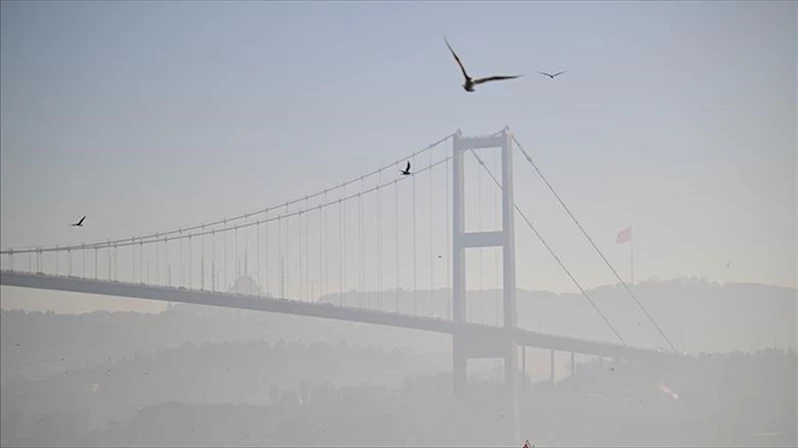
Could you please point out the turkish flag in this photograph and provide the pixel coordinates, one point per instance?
(625, 235)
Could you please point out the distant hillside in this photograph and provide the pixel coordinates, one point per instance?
(698, 315)
(695, 315)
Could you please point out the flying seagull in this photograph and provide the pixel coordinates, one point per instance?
(79, 223)
(469, 83)
(407, 169)
(553, 76)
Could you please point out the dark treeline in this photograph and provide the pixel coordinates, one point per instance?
(213, 373)
(212, 376)
(736, 399)
(697, 316)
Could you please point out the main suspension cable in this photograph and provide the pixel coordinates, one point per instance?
(591, 241)
(551, 252)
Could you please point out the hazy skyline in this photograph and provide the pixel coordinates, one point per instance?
(678, 118)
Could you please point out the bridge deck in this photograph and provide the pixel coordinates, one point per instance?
(323, 310)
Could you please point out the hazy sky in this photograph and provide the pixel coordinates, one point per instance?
(676, 117)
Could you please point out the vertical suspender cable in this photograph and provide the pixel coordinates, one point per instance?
(340, 256)
(379, 242)
(430, 230)
(224, 271)
(344, 244)
(498, 296)
(413, 229)
(325, 267)
(361, 244)
(307, 260)
(448, 252)
(286, 265)
(396, 245)
(268, 257)
(280, 278)
(299, 256)
(320, 293)
(213, 260)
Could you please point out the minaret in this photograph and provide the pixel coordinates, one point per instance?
(202, 272)
(247, 275)
(282, 281)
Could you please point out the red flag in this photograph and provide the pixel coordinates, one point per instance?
(625, 235)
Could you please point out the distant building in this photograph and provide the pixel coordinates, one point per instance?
(246, 285)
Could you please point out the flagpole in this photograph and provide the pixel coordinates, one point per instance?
(632, 272)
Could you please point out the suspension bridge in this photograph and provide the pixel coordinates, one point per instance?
(359, 251)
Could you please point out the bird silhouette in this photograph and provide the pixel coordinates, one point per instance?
(407, 169)
(79, 223)
(553, 76)
(469, 83)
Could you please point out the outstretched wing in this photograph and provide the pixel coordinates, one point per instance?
(457, 59)
(408, 167)
(494, 78)
(81, 220)
(546, 74)
(559, 73)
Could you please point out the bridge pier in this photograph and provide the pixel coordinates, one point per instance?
(507, 349)
(574, 368)
(524, 368)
